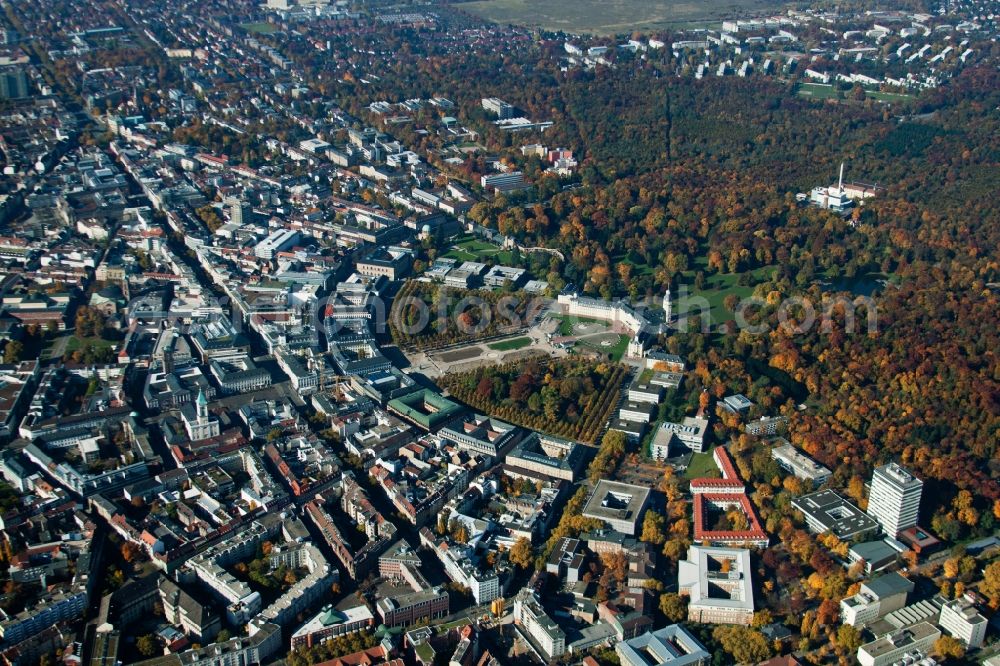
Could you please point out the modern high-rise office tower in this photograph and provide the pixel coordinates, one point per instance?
(895, 498)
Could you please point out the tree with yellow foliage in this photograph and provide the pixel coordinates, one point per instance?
(949, 647)
(990, 587)
(521, 553)
(950, 568)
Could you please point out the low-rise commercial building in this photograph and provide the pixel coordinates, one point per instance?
(279, 240)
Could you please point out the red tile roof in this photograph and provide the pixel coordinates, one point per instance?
(755, 531)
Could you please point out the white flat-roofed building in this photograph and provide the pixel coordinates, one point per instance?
(876, 598)
(718, 584)
(498, 276)
(826, 511)
(736, 403)
(279, 240)
(620, 505)
(315, 146)
(633, 430)
(502, 181)
(639, 412)
(542, 631)
(498, 107)
(670, 646)
(766, 425)
(799, 464)
(894, 648)
(690, 433)
(642, 391)
(895, 498)
(668, 380)
(464, 276)
(961, 619)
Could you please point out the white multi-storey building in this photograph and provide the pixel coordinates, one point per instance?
(876, 598)
(543, 632)
(499, 107)
(895, 498)
(718, 583)
(904, 644)
(960, 619)
(456, 558)
(689, 433)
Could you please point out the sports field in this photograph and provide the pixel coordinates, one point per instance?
(818, 91)
(610, 17)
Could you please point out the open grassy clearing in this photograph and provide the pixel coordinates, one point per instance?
(609, 17)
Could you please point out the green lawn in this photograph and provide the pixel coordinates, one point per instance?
(260, 28)
(717, 287)
(702, 467)
(510, 345)
(77, 342)
(610, 17)
(818, 91)
(473, 249)
(566, 322)
(619, 349)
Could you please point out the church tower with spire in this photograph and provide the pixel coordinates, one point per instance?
(198, 421)
(202, 406)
